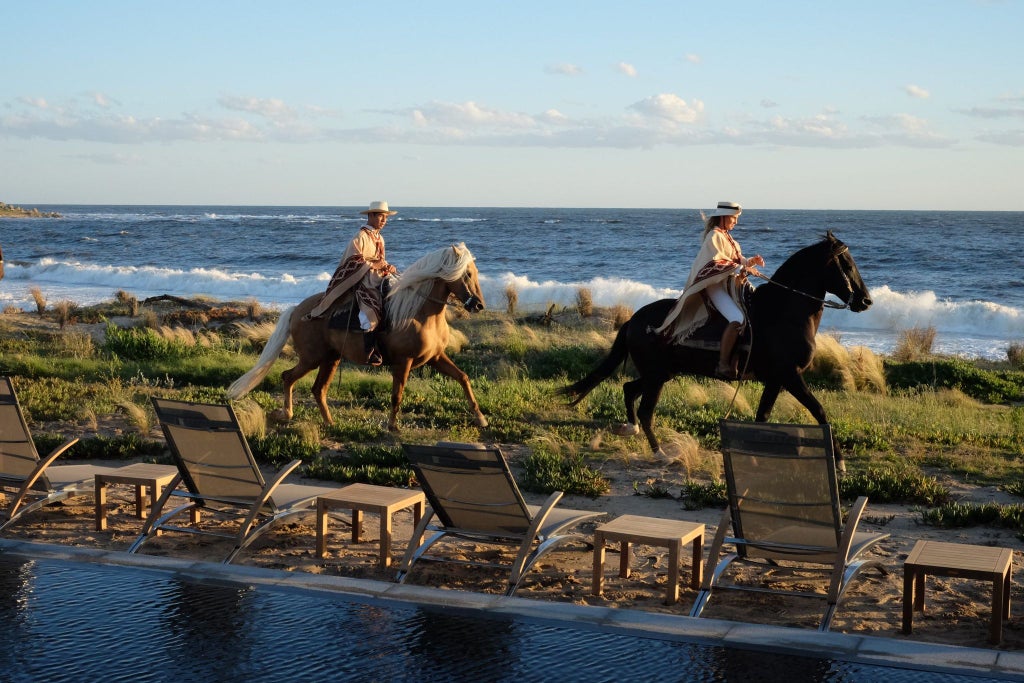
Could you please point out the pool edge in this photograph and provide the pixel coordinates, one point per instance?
(859, 648)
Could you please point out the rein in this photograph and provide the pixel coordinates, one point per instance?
(824, 302)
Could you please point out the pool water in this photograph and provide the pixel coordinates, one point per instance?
(78, 621)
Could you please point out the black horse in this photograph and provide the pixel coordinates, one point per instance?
(784, 317)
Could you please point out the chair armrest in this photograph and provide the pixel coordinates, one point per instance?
(845, 543)
(41, 466)
(265, 495)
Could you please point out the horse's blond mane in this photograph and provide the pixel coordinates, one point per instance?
(413, 286)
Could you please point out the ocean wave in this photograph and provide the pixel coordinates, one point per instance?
(980, 327)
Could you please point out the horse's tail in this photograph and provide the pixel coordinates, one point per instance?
(278, 338)
(616, 357)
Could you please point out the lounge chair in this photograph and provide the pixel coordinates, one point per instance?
(27, 482)
(472, 495)
(784, 512)
(221, 477)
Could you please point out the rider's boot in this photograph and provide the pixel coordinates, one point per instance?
(726, 363)
(373, 356)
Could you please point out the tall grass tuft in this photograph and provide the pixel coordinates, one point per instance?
(511, 299)
(65, 311)
(1015, 355)
(251, 418)
(584, 302)
(39, 298)
(620, 315)
(914, 344)
(129, 301)
(832, 361)
(138, 416)
(253, 309)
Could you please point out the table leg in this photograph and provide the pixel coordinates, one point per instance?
(697, 573)
(624, 559)
(995, 634)
(385, 539)
(672, 594)
(597, 585)
(357, 525)
(140, 499)
(321, 529)
(909, 582)
(100, 493)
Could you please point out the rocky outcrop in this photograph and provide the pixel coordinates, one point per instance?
(8, 211)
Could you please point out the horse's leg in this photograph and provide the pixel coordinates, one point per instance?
(288, 380)
(445, 366)
(630, 393)
(768, 398)
(320, 385)
(648, 402)
(800, 391)
(399, 378)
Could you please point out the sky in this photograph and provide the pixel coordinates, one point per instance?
(844, 104)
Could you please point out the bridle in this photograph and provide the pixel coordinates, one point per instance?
(824, 302)
(469, 304)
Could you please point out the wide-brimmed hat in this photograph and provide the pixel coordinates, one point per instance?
(379, 207)
(726, 209)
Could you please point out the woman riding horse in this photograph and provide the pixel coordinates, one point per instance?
(784, 318)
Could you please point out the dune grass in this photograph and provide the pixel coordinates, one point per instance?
(900, 424)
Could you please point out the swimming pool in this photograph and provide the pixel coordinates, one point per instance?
(69, 620)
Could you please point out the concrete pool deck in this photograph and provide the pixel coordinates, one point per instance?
(874, 650)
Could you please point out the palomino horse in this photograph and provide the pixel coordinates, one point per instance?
(417, 334)
(784, 317)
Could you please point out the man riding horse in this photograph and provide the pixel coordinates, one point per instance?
(362, 270)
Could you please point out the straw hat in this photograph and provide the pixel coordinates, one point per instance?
(379, 207)
(726, 209)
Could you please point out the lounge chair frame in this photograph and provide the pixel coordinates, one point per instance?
(784, 507)
(472, 495)
(221, 477)
(28, 482)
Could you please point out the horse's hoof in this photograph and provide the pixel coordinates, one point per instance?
(627, 429)
(841, 466)
(481, 421)
(280, 415)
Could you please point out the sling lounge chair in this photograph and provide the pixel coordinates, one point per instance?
(784, 513)
(27, 482)
(221, 477)
(472, 496)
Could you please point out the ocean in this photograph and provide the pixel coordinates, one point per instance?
(959, 272)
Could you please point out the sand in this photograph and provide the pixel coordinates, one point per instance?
(958, 610)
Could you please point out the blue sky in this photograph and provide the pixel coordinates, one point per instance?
(862, 104)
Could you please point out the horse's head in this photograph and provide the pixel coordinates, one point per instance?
(843, 278)
(467, 287)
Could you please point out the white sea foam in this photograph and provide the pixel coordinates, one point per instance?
(971, 328)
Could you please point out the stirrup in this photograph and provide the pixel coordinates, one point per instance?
(375, 359)
(728, 374)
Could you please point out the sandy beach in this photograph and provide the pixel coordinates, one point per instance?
(958, 610)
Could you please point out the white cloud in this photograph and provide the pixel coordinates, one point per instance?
(670, 107)
(994, 112)
(102, 101)
(917, 92)
(472, 114)
(273, 109)
(693, 59)
(563, 69)
(627, 69)
(769, 104)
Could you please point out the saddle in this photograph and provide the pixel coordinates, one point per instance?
(709, 336)
(345, 314)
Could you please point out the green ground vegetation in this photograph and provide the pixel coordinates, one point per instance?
(904, 425)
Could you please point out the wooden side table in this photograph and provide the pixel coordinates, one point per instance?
(959, 560)
(669, 533)
(143, 476)
(359, 498)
